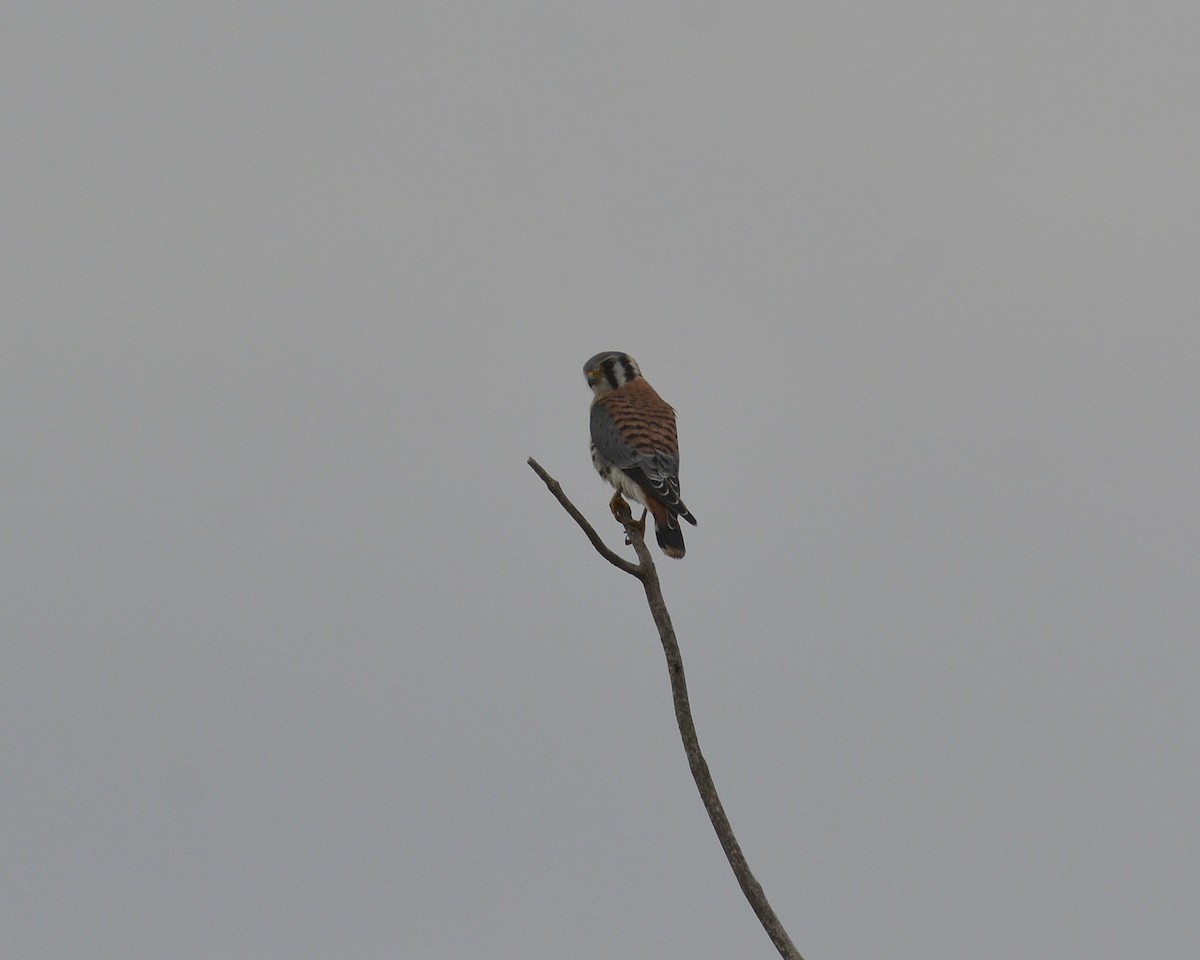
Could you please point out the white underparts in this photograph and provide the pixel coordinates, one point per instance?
(615, 476)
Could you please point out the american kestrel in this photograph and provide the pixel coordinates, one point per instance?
(634, 443)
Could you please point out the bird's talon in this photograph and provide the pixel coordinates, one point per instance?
(638, 525)
(619, 508)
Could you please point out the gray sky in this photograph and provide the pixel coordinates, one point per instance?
(302, 661)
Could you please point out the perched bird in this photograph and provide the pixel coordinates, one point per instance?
(634, 444)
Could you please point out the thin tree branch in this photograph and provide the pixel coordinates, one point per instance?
(553, 485)
(646, 572)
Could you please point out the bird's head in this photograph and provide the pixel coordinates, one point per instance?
(609, 370)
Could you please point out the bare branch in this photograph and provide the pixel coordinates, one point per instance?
(646, 572)
(555, 488)
(700, 772)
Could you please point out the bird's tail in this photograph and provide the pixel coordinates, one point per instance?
(669, 536)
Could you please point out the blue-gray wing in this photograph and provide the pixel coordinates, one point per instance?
(637, 448)
(608, 440)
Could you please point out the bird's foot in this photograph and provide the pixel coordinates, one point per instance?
(620, 509)
(639, 526)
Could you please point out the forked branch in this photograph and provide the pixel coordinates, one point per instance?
(645, 571)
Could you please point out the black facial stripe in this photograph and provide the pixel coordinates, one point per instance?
(626, 368)
(610, 374)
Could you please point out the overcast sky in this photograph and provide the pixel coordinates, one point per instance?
(301, 661)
